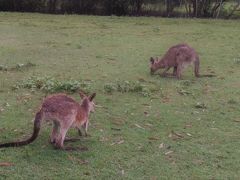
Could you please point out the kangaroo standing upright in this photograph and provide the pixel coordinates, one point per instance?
(64, 112)
(178, 57)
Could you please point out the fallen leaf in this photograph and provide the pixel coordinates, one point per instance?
(153, 138)
(6, 164)
(165, 99)
(139, 126)
(161, 146)
(82, 161)
(116, 129)
(200, 105)
(99, 106)
(119, 142)
(169, 152)
(187, 126)
(184, 92)
(175, 136)
(148, 124)
(118, 121)
(146, 105)
(74, 159)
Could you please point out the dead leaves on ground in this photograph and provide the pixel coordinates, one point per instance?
(200, 105)
(187, 126)
(138, 126)
(117, 121)
(175, 136)
(167, 152)
(77, 160)
(117, 142)
(236, 120)
(178, 136)
(145, 126)
(24, 98)
(153, 138)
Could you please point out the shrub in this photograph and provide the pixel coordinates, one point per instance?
(51, 85)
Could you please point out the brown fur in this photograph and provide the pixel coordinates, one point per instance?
(178, 57)
(64, 112)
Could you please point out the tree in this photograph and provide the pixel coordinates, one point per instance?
(170, 5)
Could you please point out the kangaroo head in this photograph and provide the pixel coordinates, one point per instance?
(153, 65)
(87, 101)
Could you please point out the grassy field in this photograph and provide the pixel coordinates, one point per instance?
(187, 129)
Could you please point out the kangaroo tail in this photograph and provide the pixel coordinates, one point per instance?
(36, 129)
(196, 67)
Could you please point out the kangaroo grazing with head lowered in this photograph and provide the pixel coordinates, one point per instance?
(178, 57)
(64, 112)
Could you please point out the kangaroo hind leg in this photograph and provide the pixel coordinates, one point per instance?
(60, 139)
(54, 134)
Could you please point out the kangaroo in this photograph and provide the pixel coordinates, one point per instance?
(64, 112)
(178, 57)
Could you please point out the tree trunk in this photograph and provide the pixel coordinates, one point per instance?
(219, 9)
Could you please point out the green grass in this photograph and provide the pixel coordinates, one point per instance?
(162, 136)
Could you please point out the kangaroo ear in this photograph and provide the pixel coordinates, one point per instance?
(92, 96)
(152, 60)
(82, 95)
